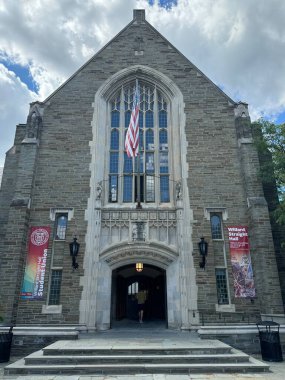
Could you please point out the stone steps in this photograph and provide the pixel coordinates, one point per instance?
(39, 358)
(127, 369)
(144, 350)
(87, 358)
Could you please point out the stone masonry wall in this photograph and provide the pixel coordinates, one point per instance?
(9, 180)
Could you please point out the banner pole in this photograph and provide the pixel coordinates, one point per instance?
(138, 163)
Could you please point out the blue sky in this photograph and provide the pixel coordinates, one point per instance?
(23, 72)
(240, 46)
(280, 119)
(167, 4)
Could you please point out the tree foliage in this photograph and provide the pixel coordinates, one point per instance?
(270, 142)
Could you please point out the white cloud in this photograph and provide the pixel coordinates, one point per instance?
(58, 36)
(14, 107)
(237, 44)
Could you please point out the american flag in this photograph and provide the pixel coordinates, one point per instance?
(132, 136)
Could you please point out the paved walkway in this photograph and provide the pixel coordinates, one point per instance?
(144, 335)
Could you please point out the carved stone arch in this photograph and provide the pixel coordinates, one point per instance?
(154, 254)
(144, 73)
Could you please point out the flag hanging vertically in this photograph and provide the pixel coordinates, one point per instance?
(132, 136)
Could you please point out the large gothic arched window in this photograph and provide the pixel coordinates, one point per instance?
(149, 172)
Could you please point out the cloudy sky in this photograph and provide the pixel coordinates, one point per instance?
(238, 44)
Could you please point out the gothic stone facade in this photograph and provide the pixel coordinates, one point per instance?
(66, 161)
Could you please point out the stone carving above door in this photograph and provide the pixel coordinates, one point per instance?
(138, 227)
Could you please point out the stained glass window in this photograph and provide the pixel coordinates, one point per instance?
(115, 119)
(162, 119)
(163, 144)
(153, 147)
(128, 164)
(150, 188)
(163, 162)
(114, 162)
(115, 139)
(113, 188)
(164, 189)
(128, 188)
(149, 119)
(149, 139)
(149, 164)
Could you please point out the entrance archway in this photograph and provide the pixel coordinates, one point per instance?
(127, 282)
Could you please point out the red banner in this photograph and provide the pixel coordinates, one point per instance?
(33, 284)
(241, 262)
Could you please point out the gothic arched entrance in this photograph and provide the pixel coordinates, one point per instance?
(127, 282)
(119, 234)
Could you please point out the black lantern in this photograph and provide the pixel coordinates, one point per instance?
(74, 249)
(203, 249)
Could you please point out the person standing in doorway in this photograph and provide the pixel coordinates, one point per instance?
(141, 298)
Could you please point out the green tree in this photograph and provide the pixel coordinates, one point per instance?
(270, 142)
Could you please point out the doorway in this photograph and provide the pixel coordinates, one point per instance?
(127, 282)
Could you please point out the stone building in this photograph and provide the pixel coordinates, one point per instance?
(68, 175)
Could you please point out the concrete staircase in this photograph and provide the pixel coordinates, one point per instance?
(98, 357)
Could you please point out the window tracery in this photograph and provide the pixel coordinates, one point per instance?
(152, 163)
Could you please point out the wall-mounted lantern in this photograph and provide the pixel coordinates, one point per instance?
(139, 267)
(203, 249)
(74, 249)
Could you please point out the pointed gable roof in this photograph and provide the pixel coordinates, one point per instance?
(139, 18)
